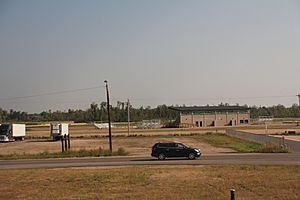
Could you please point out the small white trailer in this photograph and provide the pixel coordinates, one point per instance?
(58, 130)
(12, 132)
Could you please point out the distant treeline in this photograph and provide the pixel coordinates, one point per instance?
(278, 111)
(119, 113)
(94, 113)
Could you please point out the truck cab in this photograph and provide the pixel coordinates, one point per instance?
(4, 132)
(12, 132)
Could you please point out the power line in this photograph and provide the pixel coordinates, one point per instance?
(12, 102)
(219, 98)
(50, 93)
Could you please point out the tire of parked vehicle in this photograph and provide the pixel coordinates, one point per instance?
(161, 156)
(192, 156)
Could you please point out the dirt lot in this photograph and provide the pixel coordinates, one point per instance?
(290, 137)
(271, 131)
(277, 131)
(134, 145)
(297, 137)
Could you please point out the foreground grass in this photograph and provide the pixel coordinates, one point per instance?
(66, 154)
(182, 182)
(243, 146)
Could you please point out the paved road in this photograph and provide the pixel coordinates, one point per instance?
(220, 159)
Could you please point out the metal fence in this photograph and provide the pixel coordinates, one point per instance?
(149, 124)
(264, 139)
(145, 124)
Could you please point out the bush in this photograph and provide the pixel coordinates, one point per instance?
(121, 152)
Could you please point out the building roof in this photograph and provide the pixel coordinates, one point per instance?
(210, 108)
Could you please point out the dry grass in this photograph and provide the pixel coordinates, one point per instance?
(181, 182)
(90, 131)
(66, 154)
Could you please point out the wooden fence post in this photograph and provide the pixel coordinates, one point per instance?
(62, 144)
(69, 142)
(232, 197)
(66, 145)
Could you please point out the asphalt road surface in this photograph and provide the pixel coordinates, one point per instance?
(220, 159)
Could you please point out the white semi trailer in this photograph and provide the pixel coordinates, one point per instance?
(12, 132)
(58, 130)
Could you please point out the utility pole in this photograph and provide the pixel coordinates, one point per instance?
(128, 115)
(108, 116)
(299, 99)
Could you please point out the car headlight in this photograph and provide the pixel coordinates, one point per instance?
(197, 150)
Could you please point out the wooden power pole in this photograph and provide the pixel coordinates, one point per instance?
(128, 116)
(299, 99)
(108, 116)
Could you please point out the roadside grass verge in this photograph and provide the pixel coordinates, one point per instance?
(67, 154)
(239, 145)
(158, 182)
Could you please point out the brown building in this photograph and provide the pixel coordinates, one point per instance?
(210, 116)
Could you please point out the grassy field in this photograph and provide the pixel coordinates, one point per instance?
(243, 146)
(175, 182)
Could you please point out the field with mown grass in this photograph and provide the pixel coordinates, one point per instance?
(240, 145)
(173, 182)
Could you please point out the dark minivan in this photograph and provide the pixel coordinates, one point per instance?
(164, 150)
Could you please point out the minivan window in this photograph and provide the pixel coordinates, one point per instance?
(163, 145)
(173, 145)
(180, 146)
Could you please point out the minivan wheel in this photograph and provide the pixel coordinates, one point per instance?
(192, 156)
(161, 156)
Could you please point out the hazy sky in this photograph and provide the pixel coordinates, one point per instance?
(153, 52)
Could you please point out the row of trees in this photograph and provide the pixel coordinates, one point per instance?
(119, 113)
(279, 111)
(94, 113)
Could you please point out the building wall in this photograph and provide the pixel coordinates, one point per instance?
(214, 119)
